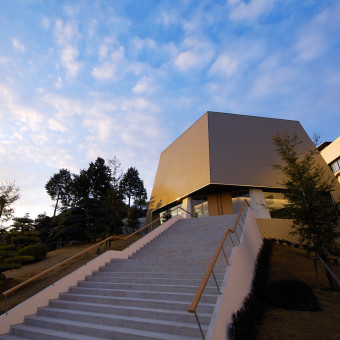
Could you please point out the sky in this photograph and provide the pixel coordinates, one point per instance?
(86, 79)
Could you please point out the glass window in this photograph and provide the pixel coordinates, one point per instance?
(276, 204)
(200, 206)
(237, 199)
(335, 165)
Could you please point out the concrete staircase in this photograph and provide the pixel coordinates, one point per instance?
(144, 297)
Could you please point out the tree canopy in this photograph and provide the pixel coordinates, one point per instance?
(9, 193)
(309, 194)
(132, 186)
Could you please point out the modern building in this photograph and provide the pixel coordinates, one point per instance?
(330, 151)
(223, 159)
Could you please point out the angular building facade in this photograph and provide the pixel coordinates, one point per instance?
(221, 160)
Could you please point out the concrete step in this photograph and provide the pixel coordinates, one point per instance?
(104, 326)
(191, 289)
(166, 274)
(203, 307)
(209, 298)
(153, 313)
(151, 280)
(160, 269)
(39, 333)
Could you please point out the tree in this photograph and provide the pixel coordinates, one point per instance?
(99, 175)
(23, 224)
(9, 193)
(116, 171)
(59, 188)
(132, 186)
(308, 191)
(80, 187)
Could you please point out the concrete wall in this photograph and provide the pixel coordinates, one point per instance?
(30, 306)
(258, 203)
(237, 280)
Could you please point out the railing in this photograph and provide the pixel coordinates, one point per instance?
(131, 238)
(240, 220)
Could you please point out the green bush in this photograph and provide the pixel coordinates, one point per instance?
(22, 259)
(38, 251)
(6, 253)
(72, 233)
(25, 239)
(7, 266)
(8, 247)
(292, 295)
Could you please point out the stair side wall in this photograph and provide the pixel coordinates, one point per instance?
(238, 280)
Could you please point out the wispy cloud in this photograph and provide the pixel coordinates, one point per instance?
(111, 68)
(18, 45)
(195, 52)
(67, 36)
(249, 10)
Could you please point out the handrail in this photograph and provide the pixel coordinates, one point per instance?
(9, 291)
(201, 287)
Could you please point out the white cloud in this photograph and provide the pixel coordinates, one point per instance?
(225, 65)
(310, 47)
(145, 85)
(240, 9)
(18, 45)
(67, 37)
(4, 60)
(196, 52)
(45, 22)
(55, 125)
(110, 69)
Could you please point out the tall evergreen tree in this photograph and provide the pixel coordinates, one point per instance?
(99, 175)
(59, 187)
(132, 186)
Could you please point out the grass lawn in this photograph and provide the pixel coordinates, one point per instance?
(16, 276)
(293, 263)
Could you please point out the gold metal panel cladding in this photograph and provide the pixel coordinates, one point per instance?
(183, 167)
(277, 228)
(242, 150)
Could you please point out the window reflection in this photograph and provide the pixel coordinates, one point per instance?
(200, 206)
(237, 199)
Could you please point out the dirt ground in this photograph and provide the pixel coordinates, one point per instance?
(292, 263)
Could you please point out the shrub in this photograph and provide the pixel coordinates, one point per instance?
(5, 253)
(22, 259)
(7, 266)
(293, 295)
(25, 239)
(38, 251)
(8, 247)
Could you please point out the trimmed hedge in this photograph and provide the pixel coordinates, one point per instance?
(292, 295)
(38, 251)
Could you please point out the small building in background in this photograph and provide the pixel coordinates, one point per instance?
(330, 151)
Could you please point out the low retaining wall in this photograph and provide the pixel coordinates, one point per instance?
(17, 314)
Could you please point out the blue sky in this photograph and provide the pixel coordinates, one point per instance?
(82, 79)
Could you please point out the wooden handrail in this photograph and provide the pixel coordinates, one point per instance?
(201, 287)
(9, 291)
